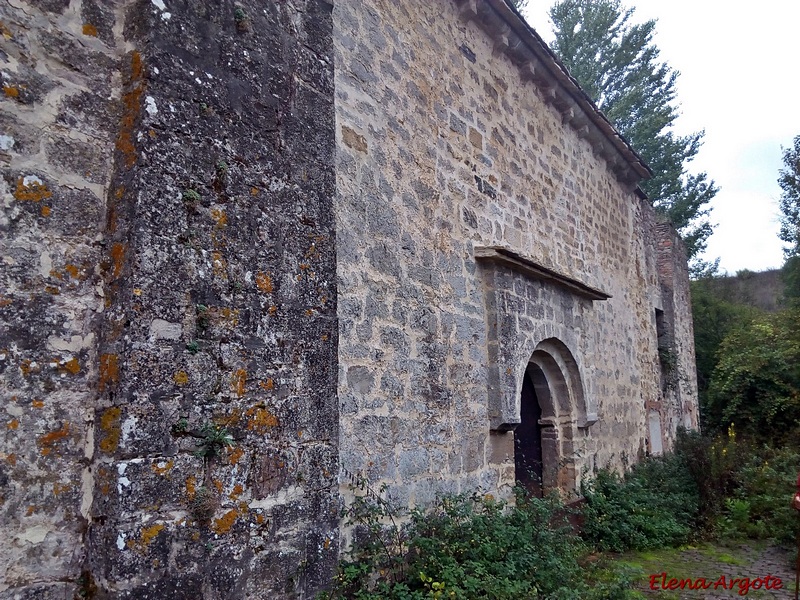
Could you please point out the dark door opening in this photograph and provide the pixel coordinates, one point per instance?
(528, 441)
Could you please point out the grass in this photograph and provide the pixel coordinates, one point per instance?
(704, 560)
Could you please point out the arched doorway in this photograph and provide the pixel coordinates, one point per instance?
(528, 466)
(552, 408)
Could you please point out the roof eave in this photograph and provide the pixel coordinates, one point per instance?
(513, 37)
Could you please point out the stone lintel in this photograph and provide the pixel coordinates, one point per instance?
(536, 271)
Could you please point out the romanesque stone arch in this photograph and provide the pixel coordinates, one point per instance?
(545, 437)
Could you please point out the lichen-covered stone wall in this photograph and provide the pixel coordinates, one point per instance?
(59, 119)
(169, 328)
(443, 147)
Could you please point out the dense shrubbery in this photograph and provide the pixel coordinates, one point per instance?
(470, 547)
(760, 504)
(720, 487)
(654, 505)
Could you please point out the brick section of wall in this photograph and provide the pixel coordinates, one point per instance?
(442, 147)
(679, 372)
(169, 311)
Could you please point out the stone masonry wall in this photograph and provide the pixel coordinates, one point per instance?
(59, 115)
(169, 307)
(441, 147)
(680, 398)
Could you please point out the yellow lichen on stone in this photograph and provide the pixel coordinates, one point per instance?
(224, 523)
(32, 191)
(162, 468)
(118, 258)
(109, 370)
(264, 282)
(234, 454)
(109, 425)
(220, 217)
(236, 492)
(132, 101)
(239, 382)
(191, 487)
(260, 419)
(48, 440)
(218, 265)
(60, 488)
(180, 378)
(71, 366)
(149, 534)
(230, 420)
(89, 29)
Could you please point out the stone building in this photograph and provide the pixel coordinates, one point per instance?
(250, 248)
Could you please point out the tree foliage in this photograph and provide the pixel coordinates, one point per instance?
(789, 180)
(790, 274)
(616, 62)
(756, 383)
(714, 318)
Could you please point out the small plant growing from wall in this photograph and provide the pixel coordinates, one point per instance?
(181, 426)
(191, 196)
(204, 504)
(241, 19)
(213, 439)
(203, 317)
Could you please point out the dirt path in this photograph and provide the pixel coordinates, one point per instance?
(747, 570)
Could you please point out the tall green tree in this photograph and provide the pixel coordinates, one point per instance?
(715, 316)
(616, 62)
(789, 180)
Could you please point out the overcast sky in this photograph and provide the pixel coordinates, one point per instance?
(739, 82)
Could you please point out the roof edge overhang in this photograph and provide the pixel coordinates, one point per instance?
(538, 64)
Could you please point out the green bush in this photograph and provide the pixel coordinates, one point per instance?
(756, 382)
(713, 464)
(765, 486)
(471, 547)
(656, 504)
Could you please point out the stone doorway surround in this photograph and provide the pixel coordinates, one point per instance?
(534, 319)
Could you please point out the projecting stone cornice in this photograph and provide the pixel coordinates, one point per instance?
(522, 45)
(527, 267)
